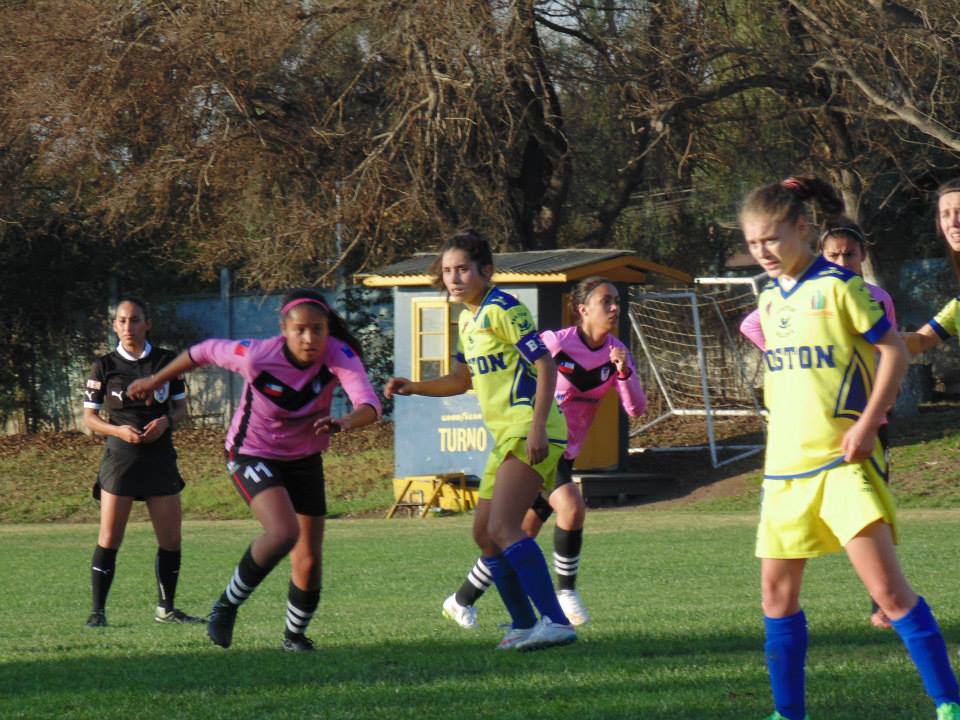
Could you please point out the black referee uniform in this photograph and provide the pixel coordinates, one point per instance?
(148, 469)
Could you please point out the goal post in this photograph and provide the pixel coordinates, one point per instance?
(696, 362)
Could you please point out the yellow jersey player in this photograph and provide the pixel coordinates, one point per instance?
(501, 356)
(946, 323)
(823, 486)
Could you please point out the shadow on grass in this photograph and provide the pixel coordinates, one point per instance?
(661, 677)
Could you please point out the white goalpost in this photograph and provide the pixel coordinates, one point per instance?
(697, 363)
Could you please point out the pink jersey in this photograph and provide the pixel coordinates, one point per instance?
(750, 327)
(280, 400)
(584, 376)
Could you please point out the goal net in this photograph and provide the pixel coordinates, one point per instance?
(698, 367)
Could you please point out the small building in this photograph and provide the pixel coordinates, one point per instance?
(443, 436)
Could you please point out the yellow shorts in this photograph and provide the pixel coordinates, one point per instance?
(817, 515)
(547, 469)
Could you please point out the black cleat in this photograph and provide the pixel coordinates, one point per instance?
(297, 643)
(98, 618)
(220, 623)
(176, 617)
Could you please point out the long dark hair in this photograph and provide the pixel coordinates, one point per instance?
(581, 293)
(951, 186)
(471, 242)
(338, 326)
(786, 200)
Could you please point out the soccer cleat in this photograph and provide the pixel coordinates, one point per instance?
(98, 618)
(572, 607)
(296, 643)
(175, 617)
(220, 623)
(778, 716)
(514, 636)
(463, 615)
(546, 634)
(948, 711)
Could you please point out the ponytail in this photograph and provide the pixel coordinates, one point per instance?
(786, 200)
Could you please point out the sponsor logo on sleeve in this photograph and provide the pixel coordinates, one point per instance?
(241, 348)
(93, 384)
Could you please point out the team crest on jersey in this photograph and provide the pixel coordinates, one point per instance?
(566, 367)
(317, 385)
(784, 326)
(605, 373)
(162, 393)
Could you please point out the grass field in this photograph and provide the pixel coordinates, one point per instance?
(676, 631)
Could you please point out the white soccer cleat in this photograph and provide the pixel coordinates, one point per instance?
(514, 636)
(463, 615)
(546, 634)
(572, 607)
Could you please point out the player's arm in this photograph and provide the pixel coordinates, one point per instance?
(924, 339)
(859, 440)
(141, 388)
(456, 382)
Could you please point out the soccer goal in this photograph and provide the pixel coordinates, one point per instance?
(698, 366)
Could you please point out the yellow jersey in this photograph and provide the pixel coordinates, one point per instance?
(946, 323)
(819, 367)
(499, 344)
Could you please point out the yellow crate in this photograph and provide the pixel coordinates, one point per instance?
(424, 492)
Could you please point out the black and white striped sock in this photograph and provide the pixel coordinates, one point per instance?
(566, 556)
(246, 577)
(301, 606)
(478, 581)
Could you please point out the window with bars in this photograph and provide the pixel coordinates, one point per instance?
(434, 338)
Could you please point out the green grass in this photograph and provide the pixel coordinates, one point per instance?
(50, 481)
(676, 631)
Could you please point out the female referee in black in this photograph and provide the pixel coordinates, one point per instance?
(139, 462)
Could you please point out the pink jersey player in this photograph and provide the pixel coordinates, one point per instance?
(275, 444)
(281, 401)
(584, 376)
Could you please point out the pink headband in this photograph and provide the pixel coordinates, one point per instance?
(300, 301)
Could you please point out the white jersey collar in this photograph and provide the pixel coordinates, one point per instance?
(147, 347)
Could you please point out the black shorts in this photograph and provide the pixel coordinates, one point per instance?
(139, 471)
(541, 505)
(302, 478)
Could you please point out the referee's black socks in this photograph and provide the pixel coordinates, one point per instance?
(167, 567)
(101, 575)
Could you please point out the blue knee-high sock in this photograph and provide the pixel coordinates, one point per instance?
(528, 561)
(786, 650)
(919, 631)
(511, 591)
